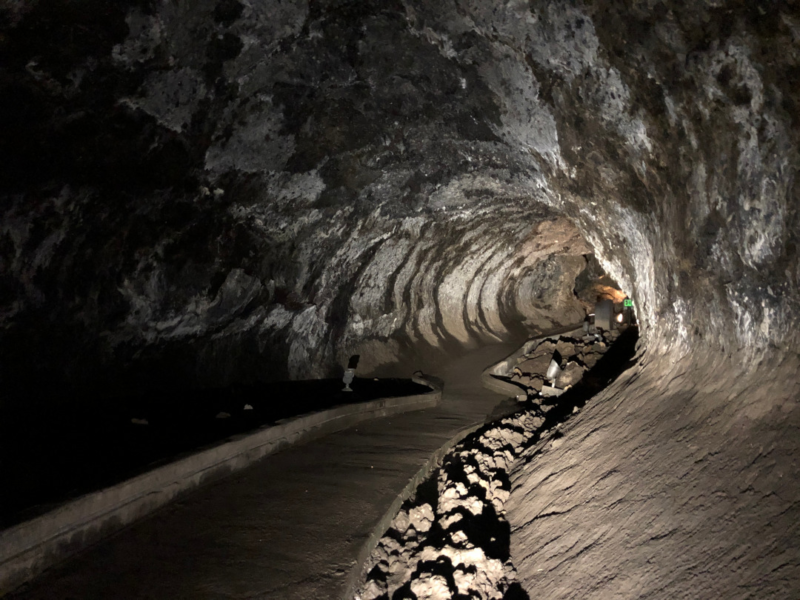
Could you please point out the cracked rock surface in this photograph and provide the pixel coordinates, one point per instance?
(452, 542)
(452, 539)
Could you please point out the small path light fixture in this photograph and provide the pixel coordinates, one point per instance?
(349, 375)
(350, 372)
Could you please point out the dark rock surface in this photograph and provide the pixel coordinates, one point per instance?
(200, 192)
(215, 189)
(198, 196)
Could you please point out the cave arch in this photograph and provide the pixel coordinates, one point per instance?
(200, 193)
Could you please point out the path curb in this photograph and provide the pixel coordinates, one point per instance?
(28, 549)
(433, 462)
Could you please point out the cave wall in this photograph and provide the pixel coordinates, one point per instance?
(199, 192)
(224, 189)
(677, 481)
(203, 193)
(676, 149)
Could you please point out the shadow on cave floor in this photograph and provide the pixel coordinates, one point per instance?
(49, 457)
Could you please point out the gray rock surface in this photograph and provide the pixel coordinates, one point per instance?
(571, 374)
(388, 177)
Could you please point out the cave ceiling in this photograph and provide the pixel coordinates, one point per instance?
(230, 187)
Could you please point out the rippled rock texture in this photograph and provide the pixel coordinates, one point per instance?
(219, 189)
(212, 192)
(208, 191)
(676, 482)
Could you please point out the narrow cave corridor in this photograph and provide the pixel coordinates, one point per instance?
(230, 194)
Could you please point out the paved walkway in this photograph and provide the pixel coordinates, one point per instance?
(290, 527)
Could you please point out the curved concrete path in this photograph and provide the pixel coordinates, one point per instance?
(292, 526)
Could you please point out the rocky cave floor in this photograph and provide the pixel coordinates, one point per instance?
(575, 357)
(140, 432)
(451, 539)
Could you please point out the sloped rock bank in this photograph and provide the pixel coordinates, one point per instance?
(677, 481)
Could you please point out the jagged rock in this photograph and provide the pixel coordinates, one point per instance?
(431, 587)
(536, 366)
(565, 348)
(549, 391)
(589, 359)
(449, 520)
(571, 375)
(482, 459)
(401, 522)
(535, 384)
(545, 348)
(373, 590)
(421, 517)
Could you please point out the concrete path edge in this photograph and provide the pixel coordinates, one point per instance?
(435, 460)
(28, 549)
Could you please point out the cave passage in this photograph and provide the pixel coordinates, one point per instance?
(205, 194)
(310, 508)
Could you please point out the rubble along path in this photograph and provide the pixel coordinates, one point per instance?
(451, 539)
(290, 527)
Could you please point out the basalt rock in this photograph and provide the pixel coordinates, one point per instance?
(233, 191)
(202, 192)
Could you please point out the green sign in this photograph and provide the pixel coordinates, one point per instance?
(628, 303)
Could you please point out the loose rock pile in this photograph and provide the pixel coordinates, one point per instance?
(574, 356)
(451, 540)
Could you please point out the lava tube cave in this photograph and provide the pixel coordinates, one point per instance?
(206, 199)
